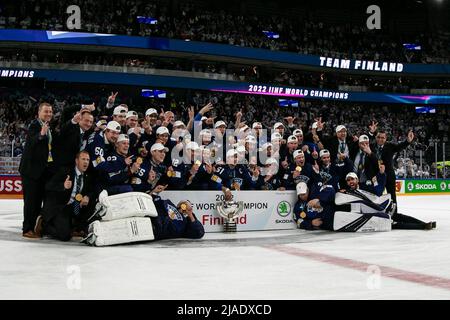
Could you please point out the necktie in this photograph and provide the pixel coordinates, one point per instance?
(76, 204)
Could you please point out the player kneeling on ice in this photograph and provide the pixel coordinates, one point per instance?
(366, 198)
(318, 210)
(137, 216)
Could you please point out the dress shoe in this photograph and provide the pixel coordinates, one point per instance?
(30, 235)
(38, 226)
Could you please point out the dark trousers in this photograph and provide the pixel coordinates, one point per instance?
(390, 188)
(33, 195)
(61, 224)
(402, 221)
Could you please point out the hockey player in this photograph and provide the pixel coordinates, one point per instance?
(234, 176)
(100, 144)
(175, 221)
(298, 171)
(305, 219)
(269, 178)
(115, 172)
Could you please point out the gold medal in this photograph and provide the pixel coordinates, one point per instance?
(302, 214)
(298, 168)
(183, 206)
(139, 160)
(78, 197)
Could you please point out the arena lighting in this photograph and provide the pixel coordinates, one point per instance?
(146, 20)
(271, 34)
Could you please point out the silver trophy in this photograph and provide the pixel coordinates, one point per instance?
(230, 211)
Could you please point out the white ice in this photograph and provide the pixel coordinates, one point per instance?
(250, 265)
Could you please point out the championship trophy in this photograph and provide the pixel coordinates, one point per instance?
(230, 211)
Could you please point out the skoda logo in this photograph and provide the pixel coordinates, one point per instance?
(443, 186)
(284, 208)
(410, 186)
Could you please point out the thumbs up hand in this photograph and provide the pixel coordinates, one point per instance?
(67, 183)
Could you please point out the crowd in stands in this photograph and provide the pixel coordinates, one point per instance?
(189, 21)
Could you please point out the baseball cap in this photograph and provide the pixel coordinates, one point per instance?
(275, 135)
(123, 137)
(231, 153)
(363, 138)
(162, 130)
(131, 114)
(278, 124)
(250, 139)
(158, 146)
(292, 139)
(150, 111)
(324, 152)
(119, 110)
(192, 146)
(302, 188)
(340, 127)
(101, 122)
(255, 124)
(179, 123)
(113, 126)
(271, 161)
(297, 153)
(297, 132)
(219, 123)
(351, 175)
(266, 145)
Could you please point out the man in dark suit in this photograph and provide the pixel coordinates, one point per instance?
(35, 167)
(385, 152)
(365, 161)
(69, 200)
(340, 146)
(72, 138)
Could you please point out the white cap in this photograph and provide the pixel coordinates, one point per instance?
(271, 161)
(219, 123)
(297, 132)
(351, 175)
(231, 153)
(297, 153)
(205, 132)
(150, 111)
(131, 114)
(119, 110)
(314, 125)
(204, 118)
(101, 122)
(266, 145)
(292, 139)
(162, 130)
(256, 124)
(324, 152)
(250, 139)
(340, 127)
(192, 146)
(240, 149)
(179, 123)
(113, 126)
(363, 138)
(122, 137)
(276, 135)
(276, 125)
(158, 146)
(244, 128)
(302, 188)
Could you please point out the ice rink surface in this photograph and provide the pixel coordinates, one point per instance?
(276, 265)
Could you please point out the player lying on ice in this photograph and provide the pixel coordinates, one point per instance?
(137, 216)
(359, 208)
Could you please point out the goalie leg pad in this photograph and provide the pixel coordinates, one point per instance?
(357, 222)
(125, 205)
(107, 233)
